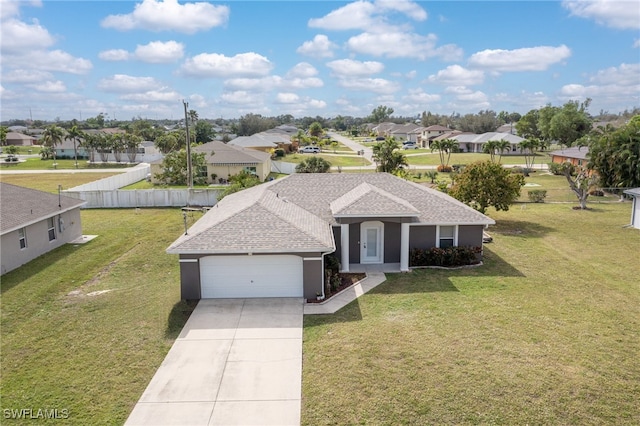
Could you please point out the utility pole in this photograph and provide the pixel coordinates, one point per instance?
(189, 166)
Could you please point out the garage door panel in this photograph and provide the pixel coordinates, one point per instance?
(251, 276)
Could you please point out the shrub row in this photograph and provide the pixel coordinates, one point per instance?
(450, 256)
(537, 195)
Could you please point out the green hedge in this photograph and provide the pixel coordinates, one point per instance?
(448, 257)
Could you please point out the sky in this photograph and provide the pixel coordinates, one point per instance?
(125, 59)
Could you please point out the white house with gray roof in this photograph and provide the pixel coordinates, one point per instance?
(271, 240)
(471, 142)
(34, 222)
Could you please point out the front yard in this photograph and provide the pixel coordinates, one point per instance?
(546, 332)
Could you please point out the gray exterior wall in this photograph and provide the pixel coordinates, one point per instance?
(391, 242)
(470, 235)
(12, 256)
(337, 235)
(422, 237)
(354, 243)
(313, 276)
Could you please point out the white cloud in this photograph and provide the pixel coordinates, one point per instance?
(526, 59)
(216, 65)
(352, 68)
(409, 8)
(636, 43)
(169, 15)
(263, 84)
(319, 47)
(623, 14)
(198, 101)
(53, 60)
(17, 36)
(611, 86)
(375, 85)
(420, 97)
(364, 15)
(240, 97)
(302, 69)
(161, 95)
(49, 86)
(457, 75)
(287, 98)
(402, 45)
(624, 75)
(301, 83)
(121, 83)
(26, 76)
(158, 52)
(114, 55)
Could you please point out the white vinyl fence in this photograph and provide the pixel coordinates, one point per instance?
(282, 167)
(132, 175)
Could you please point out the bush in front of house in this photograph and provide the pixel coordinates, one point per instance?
(537, 195)
(555, 168)
(447, 257)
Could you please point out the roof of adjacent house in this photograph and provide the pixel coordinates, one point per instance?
(230, 154)
(20, 207)
(633, 191)
(437, 128)
(261, 140)
(577, 152)
(295, 213)
(20, 136)
(486, 137)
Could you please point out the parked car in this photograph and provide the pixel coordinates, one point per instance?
(309, 149)
(11, 158)
(409, 146)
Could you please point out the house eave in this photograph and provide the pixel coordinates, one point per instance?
(319, 249)
(41, 218)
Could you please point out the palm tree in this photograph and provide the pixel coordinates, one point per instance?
(502, 146)
(131, 143)
(528, 147)
(74, 134)
(444, 147)
(51, 137)
(193, 115)
(490, 148)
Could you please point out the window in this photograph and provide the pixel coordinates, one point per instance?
(22, 237)
(251, 170)
(52, 228)
(203, 172)
(447, 236)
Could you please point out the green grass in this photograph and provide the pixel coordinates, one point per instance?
(38, 164)
(546, 332)
(433, 159)
(335, 160)
(93, 355)
(49, 181)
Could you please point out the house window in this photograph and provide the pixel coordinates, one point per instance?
(251, 170)
(447, 236)
(52, 228)
(22, 237)
(203, 172)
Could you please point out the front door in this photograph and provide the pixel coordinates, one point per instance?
(371, 242)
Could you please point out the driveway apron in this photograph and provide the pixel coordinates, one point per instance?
(236, 362)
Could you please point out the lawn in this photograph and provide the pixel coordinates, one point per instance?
(93, 355)
(49, 181)
(433, 159)
(334, 159)
(39, 164)
(546, 332)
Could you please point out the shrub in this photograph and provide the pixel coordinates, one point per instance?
(555, 168)
(537, 195)
(448, 257)
(279, 152)
(444, 169)
(517, 170)
(332, 263)
(597, 193)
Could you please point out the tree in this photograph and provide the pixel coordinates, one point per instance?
(131, 143)
(615, 156)
(144, 129)
(193, 116)
(253, 123)
(91, 144)
(315, 129)
(387, 156)
(528, 147)
(313, 165)
(51, 137)
(570, 123)
(204, 132)
(580, 181)
(444, 148)
(484, 184)
(527, 125)
(174, 168)
(74, 134)
(239, 182)
(3, 135)
(491, 148)
(482, 122)
(380, 114)
(169, 142)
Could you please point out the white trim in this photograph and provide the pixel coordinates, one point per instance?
(404, 247)
(344, 246)
(312, 258)
(455, 235)
(188, 260)
(379, 243)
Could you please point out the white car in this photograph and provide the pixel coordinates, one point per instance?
(309, 149)
(409, 146)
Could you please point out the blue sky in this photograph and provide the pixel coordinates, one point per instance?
(75, 59)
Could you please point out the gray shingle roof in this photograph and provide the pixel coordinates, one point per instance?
(229, 154)
(579, 153)
(295, 214)
(489, 136)
(20, 207)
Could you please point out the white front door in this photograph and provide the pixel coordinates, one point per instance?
(371, 242)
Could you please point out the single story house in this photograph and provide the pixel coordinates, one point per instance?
(575, 155)
(471, 142)
(34, 222)
(635, 206)
(224, 160)
(264, 141)
(271, 240)
(20, 139)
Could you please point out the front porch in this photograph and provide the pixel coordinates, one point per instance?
(375, 267)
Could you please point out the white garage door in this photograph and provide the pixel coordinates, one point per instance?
(251, 276)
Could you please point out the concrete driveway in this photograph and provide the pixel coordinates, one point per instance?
(236, 362)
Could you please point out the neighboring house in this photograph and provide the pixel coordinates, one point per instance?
(264, 141)
(574, 155)
(428, 134)
(403, 132)
(507, 128)
(471, 142)
(224, 160)
(20, 139)
(271, 240)
(145, 153)
(35, 222)
(635, 206)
